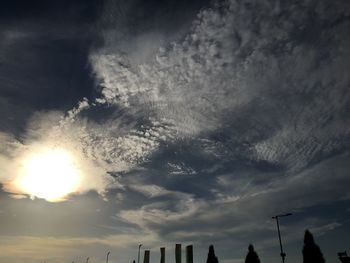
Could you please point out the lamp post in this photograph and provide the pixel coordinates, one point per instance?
(283, 255)
(138, 254)
(107, 256)
(87, 260)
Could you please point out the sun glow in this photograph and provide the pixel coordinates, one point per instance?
(51, 174)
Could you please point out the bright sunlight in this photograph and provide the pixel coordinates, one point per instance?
(51, 174)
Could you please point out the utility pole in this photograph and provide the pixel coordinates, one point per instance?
(107, 256)
(138, 255)
(283, 255)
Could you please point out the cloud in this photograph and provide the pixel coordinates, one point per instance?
(101, 149)
(251, 87)
(223, 84)
(250, 107)
(249, 72)
(240, 210)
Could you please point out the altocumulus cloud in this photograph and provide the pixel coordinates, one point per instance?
(255, 96)
(258, 89)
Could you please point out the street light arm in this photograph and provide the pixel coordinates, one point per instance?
(288, 214)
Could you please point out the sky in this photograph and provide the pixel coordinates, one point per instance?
(173, 121)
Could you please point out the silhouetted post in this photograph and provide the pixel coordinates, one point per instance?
(138, 255)
(189, 254)
(107, 256)
(146, 257)
(178, 253)
(162, 255)
(87, 260)
(283, 255)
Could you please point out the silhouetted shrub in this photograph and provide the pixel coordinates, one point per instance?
(252, 256)
(211, 255)
(311, 251)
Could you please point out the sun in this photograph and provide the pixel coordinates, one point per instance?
(51, 174)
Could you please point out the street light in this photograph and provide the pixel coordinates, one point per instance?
(107, 256)
(87, 260)
(138, 255)
(283, 255)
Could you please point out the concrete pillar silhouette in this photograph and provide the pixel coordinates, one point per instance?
(189, 254)
(146, 256)
(162, 255)
(178, 253)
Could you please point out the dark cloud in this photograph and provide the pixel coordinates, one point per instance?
(44, 49)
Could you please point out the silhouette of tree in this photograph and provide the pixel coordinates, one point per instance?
(311, 251)
(252, 256)
(211, 255)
